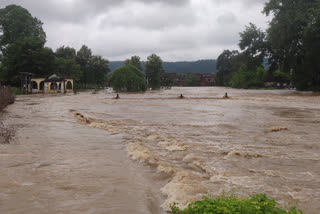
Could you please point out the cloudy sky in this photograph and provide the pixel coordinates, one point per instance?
(173, 29)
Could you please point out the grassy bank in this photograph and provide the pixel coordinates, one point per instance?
(6, 97)
(256, 204)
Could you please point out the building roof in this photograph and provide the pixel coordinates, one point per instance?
(54, 78)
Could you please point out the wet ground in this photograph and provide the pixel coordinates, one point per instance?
(89, 153)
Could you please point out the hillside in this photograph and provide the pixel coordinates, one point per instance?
(200, 66)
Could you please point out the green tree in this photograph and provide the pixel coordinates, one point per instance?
(245, 78)
(224, 66)
(154, 71)
(293, 34)
(127, 78)
(83, 59)
(135, 61)
(66, 64)
(66, 52)
(16, 23)
(67, 68)
(26, 55)
(98, 70)
(22, 42)
(254, 46)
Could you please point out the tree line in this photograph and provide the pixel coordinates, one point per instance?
(291, 44)
(22, 49)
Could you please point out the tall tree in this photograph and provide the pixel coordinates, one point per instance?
(293, 45)
(154, 71)
(254, 46)
(127, 78)
(83, 58)
(26, 55)
(22, 42)
(99, 68)
(17, 23)
(135, 61)
(66, 52)
(225, 64)
(66, 64)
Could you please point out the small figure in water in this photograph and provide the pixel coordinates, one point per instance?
(225, 96)
(181, 96)
(117, 97)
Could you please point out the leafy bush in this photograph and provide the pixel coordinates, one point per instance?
(127, 78)
(16, 91)
(256, 204)
(281, 76)
(244, 78)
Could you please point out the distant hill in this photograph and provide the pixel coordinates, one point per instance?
(200, 66)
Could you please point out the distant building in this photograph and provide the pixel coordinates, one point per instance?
(52, 84)
(207, 79)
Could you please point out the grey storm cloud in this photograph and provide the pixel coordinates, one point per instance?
(173, 29)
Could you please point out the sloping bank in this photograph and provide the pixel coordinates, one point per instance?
(6, 98)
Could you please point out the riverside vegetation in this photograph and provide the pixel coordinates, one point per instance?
(22, 49)
(256, 204)
(287, 52)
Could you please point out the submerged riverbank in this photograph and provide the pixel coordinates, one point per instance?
(254, 142)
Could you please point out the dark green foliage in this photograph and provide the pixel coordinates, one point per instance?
(291, 43)
(98, 70)
(226, 66)
(83, 59)
(280, 76)
(67, 68)
(16, 23)
(244, 78)
(127, 79)
(65, 63)
(254, 46)
(135, 61)
(154, 71)
(26, 55)
(66, 52)
(22, 45)
(256, 204)
(294, 34)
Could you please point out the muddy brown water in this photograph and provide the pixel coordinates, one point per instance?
(89, 153)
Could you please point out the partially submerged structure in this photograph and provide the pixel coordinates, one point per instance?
(26, 85)
(51, 84)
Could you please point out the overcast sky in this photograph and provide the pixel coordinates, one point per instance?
(175, 30)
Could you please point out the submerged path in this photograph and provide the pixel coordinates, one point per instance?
(58, 165)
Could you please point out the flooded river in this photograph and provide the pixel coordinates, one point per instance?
(89, 153)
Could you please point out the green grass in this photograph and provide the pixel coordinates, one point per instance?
(256, 204)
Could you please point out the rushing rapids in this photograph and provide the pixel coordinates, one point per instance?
(94, 154)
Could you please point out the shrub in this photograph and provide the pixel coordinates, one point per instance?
(6, 97)
(16, 91)
(256, 204)
(244, 78)
(127, 78)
